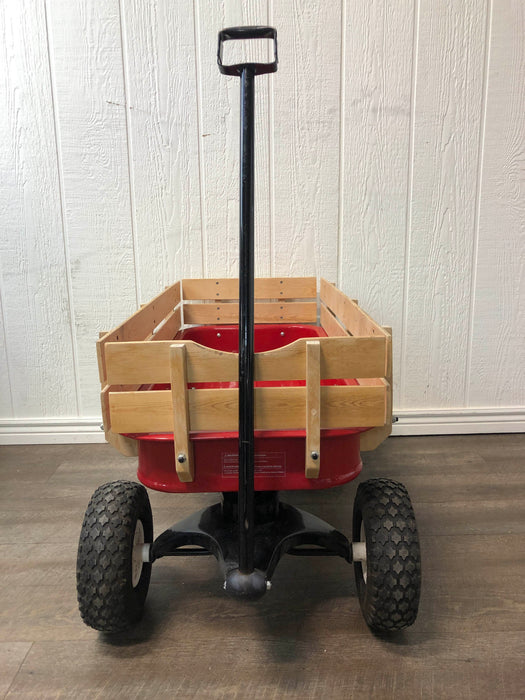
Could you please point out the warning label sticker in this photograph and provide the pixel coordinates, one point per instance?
(266, 464)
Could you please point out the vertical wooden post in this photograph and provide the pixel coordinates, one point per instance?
(313, 409)
(389, 376)
(370, 439)
(181, 414)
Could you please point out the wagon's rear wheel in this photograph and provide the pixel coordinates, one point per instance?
(386, 552)
(112, 580)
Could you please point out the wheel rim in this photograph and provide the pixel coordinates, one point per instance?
(136, 559)
(362, 538)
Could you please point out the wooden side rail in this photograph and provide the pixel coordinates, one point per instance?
(143, 323)
(264, 312)
(372, 438)
(160, 319)
(330, 324)
(148, 363)
(281, 305)
(264, 288)
(276, 408)
(350, 315)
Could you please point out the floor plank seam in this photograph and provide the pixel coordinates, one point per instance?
(6, 694)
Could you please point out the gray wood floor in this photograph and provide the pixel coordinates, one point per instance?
(305, 639)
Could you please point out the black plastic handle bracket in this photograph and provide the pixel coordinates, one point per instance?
(236, 33)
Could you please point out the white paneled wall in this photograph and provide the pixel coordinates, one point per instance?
(390, 158)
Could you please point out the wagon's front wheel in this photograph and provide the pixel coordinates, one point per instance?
(386, 555)
(112, 579)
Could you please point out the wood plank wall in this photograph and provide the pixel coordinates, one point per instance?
(390, 159)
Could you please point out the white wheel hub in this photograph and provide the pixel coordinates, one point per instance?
(137, 558)
(359, 551)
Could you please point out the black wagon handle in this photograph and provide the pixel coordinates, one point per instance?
(236, 33)
(246, 580)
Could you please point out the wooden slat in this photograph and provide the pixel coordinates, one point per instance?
(372, 438)
(330, 324)
(170, 327)
(104, 400)
(147, 362)
(181, 414)
(126, 446)
(265, 312)
(264, 288)
(276, 408)
(349, 313)
(140, 325)
(104, 404)
(313, 409)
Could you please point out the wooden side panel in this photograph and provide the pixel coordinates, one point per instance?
(39, 338)
(181, 413)
(162, 116)
(264, 288)
(170, 327)
(144, 363)
(276, 408)
(372, 438)
(354, 318)
(496, 372)
(126, 446)
(331, 324)
(287, 312)
(446, 159)
(313, 409)
(141, 324)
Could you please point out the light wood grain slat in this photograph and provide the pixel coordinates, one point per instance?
(269, 312)
(349, 313)
(330, 324)
(264, 288)
(276, 408)
(181, 414)
(346, 357)
(140, 325)
(170, 327)
(313, 409)
(126, 446)
(373, 438)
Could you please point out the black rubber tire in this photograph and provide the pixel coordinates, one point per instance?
(107, 599)
(389, 597)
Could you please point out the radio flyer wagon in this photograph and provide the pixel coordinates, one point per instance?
(247, 388)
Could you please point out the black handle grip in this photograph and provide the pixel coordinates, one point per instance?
(235, 33)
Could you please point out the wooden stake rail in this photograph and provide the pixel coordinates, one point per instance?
(148, 363)
(144, 351)
(276, 408)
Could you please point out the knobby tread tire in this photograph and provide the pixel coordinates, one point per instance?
(106, 597)
(390, 596)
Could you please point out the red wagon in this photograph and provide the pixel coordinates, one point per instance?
(247, 388)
